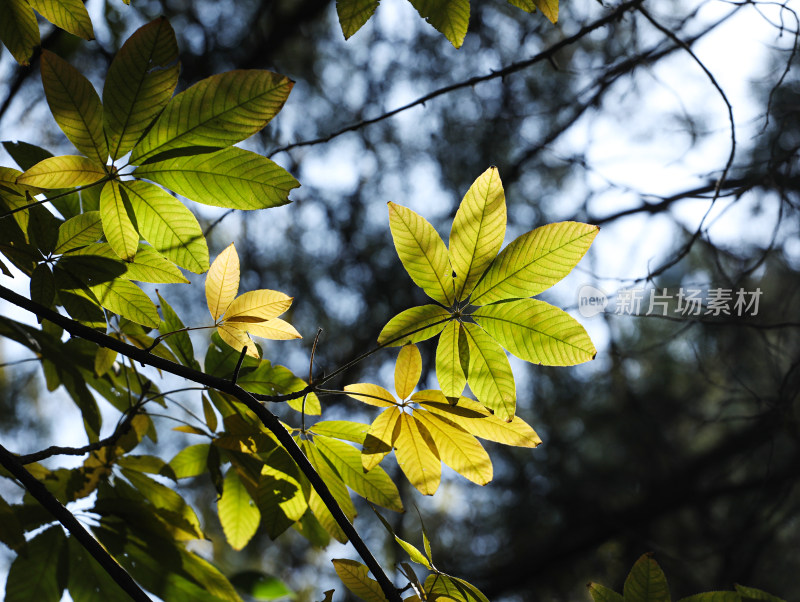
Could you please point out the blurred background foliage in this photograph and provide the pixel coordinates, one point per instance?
(682, 437)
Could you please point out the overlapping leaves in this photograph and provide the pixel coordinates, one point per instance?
(483, 297)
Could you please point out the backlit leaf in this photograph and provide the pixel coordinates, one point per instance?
(449, 372)
(222, 282)
(478, 231)
(422, 252)
(490, 376)
(168, 226)
(600, 593)
(69, 15)
(457, 448)
(11, 531)
(537, 332)
(217, 112)
(355, 577)
(549, 8)
(179, 342)
(79, 231)
(646, 582)
(66, 171)
(414, 325)
(117, 226)
(18, 29)
(413, 552)
(169, 501)
(440, 587)
(753, 593)
(75, 106)
(713, 597)
(342, 429)
(39, 574)
(407, 370)
(275, 329)
(450, 17)
(139, 84)
(354, 13)
(88, 581)
(534, 262)
(147, 266)
(126, 299)
(42, 285)
(238, 339)
(254, 306)
(417, 456)
(380, 438)
(238, 513)
(190, 461)
(232, 177)
(374, 395)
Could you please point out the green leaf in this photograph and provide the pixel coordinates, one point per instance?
(450, 17)
(280, 494)
(549, 8)
(168, 226)
(75, 106)
(600, 593)
(117, 225)
(355, 577)
(751, 593)
(534, 262)
(259, 586)
(342, 429)
(337, 488)
(449, 372)
(478, 231)
(537, 332)
(422, 252)
(413, 553)
(18, 29)
(233, 178)
(66, 171)
(11, 531)
(40, 574)
(139, 84)
(147, 266)
(413, 325)
(69, 15)
(126, 299)
(179, 341)
(190, 461)
(88, 581)
(43, 285)
(375, 485)
(417, 456)
(407, 370)
(380, 438)
(79, 231)
(444, 587)
(217, 112)
(646, 582)
(25, 155)
(209, 414)
(714, 597)
(354, 13)
(489, 375)
(43, 229)
(238, 513)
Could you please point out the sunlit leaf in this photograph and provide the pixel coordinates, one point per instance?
(258, 586)
(450, 17)
(117, 226)
(79, 231)
(374, 395)
(238, 513)
(407, 370)
(66, 171)
(490, 376)
(600, 593)
(537, 332)
(417, 456)
(354, 13)
(449, 372)
(147, 266)
(414, 325)
(337, 489)
(222, 282)
(444, 587)
(422, 252)
(534, 262)
(646, 582)
(232, 177)
(457, 448)
(752, 593)
(413, 552)
(18, 29)
(139, 84)
(355, 577)
(69, 15)
(342, 429)
(238, 339)
(190, 461)
(179, 340)
(217, 112)
(478, 231)
(168, 226)
(549, 8)
(39, 574)
(126, 299)
(380, 438)
(255, 306)
(275, 329)
(75, 106)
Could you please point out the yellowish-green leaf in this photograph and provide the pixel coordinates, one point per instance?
(374, 395)
(478, 421)
(756, 594)
(534, 262)
(79, 231)
(414, 325)
(238, 513)
(18, 29)
(337, 488)
(448, 361)
(139, 84)
(103, 360)
(11, 531)
(478, 231)
(126, 299)
(147, 266)
(222, 282)
(413, 552)
(646, 582)
(600, 593)
(75, 106)
(422, 252)
(450, 17)
(190, 461)
(217, 112)
(407, 370)
(168, 226)
(66, 171)
(417, 456)
(717, 596)
(355, 577)
(238, 339)
(380, 438)
(209, 414)
(256, 306)
(192, 430)
(275, 329)
(537, 332)
(42, 285)
(444, 587)
(342, 429)
(232, 177)
(35, 574)
(549, 8)
(117, 225)
(457, 448)
(69, 15)
(375, 485)
(354, 13)
(166, 499)
(489, 375)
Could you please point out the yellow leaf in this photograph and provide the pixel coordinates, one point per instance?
(222, 282)
(407, 370)
(275, 328)
(238, 339)
(185, 428)
(448, 361)
(489, 375)
(417, 455)
(374, 395)
(66, 171)
(117, 226)
(257, 306)
(355, 577)
(380, 438)
(411, 325)
(238, 514)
